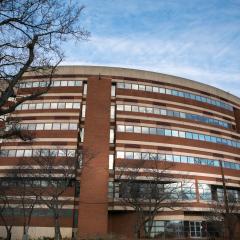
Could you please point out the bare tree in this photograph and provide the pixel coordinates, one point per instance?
(7, 209)
(58, 176)
(32, 32)
(225, 209)
(25, 179)
(148, 194)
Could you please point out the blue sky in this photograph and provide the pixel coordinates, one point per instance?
(195, 39)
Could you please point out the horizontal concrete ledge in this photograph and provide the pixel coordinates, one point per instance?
(147, 75)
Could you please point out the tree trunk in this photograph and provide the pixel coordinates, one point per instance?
(25, 233)
(58, 235)
(9, 234)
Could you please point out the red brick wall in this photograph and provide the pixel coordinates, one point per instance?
(93, 207)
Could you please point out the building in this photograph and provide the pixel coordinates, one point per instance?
(115, 118)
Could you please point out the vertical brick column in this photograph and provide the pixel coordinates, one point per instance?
(93, 205)
(237, 118)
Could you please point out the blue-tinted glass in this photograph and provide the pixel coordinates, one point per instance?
(168, 132)
(188, 135)
(160, 131)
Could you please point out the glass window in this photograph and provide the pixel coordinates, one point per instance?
(161, 157)
(53, 105)
(120, 107)
(62, 153)
(40, 126)
(69, 105)
(82, 134)
(85, 89)
(127, 108)
(162, 90)
(142, 109)
(111, 137)
(128, 86)
(53, 152)
(35, 84)
(43, 84)
(207, 138)
(48, 126)
(129, 128)
(61, 105)
(71, 153)
(113, 91)
(191, 160)
(56, 83)
(201, 137)
(169, 157)
(56, 126)
(168, 132)
(134, 86)
(137, 129)
(176, 158)
(78, 83)
(156, 110)
(46, 105)
(110, 161)
(145, 156)
(160, 131)
(64, 126)
(174, 133)
(168, 91)
(36, 153)
(28, 84)
(120, 85)
(149, 110)
(64, 83)
(32, 106)
(135, 108)
(137, 155)
(121, 128)
(149, 88)
(174, 92)
(71, 83)
(129, 155)
(189, 135)
(19, 153)
(12, 153)
(195, 136)
(163, 112)
(182, 134)
(155, 89)
(27, 153)
(24, 106)
(142, 87)
(120, 154)
(153, 131)
(84, 110)
(76, 105)
(153, 156)
(145, 130)
(184, 159)
(73, 126)
(44, 152)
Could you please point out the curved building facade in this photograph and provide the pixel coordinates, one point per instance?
(113, 120)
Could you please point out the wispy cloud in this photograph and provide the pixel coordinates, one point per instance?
(199, 40)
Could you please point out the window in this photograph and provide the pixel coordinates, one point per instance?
(76, 105)
(83, 110)
(85, 89)
(112, 112)
(204, 191)
(111, 136)
(113, 91)
(110, 161)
